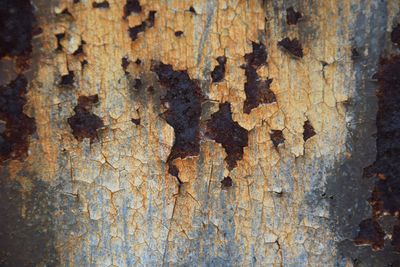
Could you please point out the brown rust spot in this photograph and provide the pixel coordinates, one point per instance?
(137, 83)
(150, 89)
(226, 182)
(59, 37)
(291, 46)
(277, 137)
(68, 79)
(228, 133)
(15, 125)
(65, 12)
(85, 124)
(218, 73)
(192, 10)
(136, 121)
(132, 6)
(395, 35)
(103, 4)
(183, 97)
(178, 33)
(370, 233)
(292, 16)
(79, 50)
(308, 130)
(151, 18)
(22, 63)
(148, 23)
(257, 90)
(125, 63)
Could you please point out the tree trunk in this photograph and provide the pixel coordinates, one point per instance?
(210, 133)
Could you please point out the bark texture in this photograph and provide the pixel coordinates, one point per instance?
(211, 133)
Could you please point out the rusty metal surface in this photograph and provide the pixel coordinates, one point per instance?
(212, 133)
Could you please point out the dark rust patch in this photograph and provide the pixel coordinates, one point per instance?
(59, 37)
(224, 130)
(226, 182)
(85, 124)
(183, 98)
(277, 137)
(308, 130)
(386, 168)
(395, 35)
(132, 6)
(151, 18)
(178, 33)
(396, 238)
(136, 121)
(15, 125)
(137, 84)
(16, 23)
(68, 79)
(218, 74)
(134, 31)
(292, 46)
(65, 12)
(148, 23)
(370, 233)
(79, 50)
(292, 16)
(354, 53)
(84, 63)
(257, 90)
(192, 10)
(385, 197)
(103, 4)
(125, 63)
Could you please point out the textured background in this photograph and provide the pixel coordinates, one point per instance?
(110, 200)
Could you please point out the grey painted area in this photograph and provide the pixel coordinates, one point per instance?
(347, 189)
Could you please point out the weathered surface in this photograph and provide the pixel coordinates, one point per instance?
(269, 140)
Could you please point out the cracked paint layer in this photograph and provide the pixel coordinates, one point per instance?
(117, 203)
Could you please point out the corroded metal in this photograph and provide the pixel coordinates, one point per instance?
(264, 110)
